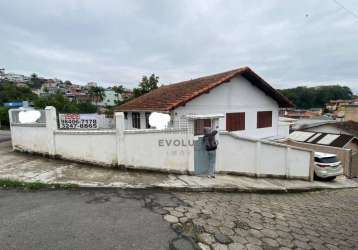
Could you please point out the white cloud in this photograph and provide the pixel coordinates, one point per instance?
(57, 55)
(287, 42)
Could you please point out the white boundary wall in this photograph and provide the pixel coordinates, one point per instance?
(168, 150)
(30, 138)
(160, 150)
(91, 146)
(261, 158)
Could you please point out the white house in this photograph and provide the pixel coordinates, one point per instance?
(249, 105)
(110, 98)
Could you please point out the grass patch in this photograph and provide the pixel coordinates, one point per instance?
(7, 183)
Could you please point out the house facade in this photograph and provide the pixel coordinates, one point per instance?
(249, 105)
(351, 112)
(110, 98)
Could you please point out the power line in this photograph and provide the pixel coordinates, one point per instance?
(344, 8)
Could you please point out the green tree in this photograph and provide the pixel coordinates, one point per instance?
(97, 94)
(118, 89)
(59, 101)
(35, 81)
(86, 107)
(9, 92)
(67, 83)
(146, 85)
(316, 97)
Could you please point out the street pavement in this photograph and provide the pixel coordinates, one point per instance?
(119, 219)
(80, 220)
(312, 220)
(5, 135)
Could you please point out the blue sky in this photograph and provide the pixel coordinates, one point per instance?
(288, 43)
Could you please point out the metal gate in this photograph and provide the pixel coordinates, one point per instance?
(201, 160)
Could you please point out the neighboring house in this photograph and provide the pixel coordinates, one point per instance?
(334, 105)
(302, 113)
(349, 127)
(91, 84)
(249, 105)
(51, 86)
(111, 98)
(351, 112)
(13, 77)
(16, 77)
(77, 93)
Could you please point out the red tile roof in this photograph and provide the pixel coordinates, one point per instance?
(169, 97)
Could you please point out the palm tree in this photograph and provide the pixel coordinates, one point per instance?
(119, 91)
(97, 94)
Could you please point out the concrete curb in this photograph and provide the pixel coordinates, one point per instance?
(232, 190)
(205, 189)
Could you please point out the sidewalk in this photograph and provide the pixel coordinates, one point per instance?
(30, 168)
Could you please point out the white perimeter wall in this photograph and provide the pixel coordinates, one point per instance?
(32, 138)
(261, 158)
(238, 95)
(89, 146)
(158, 150)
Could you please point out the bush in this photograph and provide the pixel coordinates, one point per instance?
(86, 107)
(64, 105)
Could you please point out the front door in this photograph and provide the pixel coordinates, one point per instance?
(201, 161)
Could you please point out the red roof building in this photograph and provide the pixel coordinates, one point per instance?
(246, 101)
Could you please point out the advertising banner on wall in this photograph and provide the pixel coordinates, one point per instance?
(78, 121)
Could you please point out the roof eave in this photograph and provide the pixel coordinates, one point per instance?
(142, 110)
(282, 101)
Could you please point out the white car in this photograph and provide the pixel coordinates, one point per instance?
(327, 166)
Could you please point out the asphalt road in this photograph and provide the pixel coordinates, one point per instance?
(118, 219)
(82, 220)
(5, 135)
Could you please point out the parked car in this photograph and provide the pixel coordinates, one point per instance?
(327, 166)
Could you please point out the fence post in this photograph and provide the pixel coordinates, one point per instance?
(51, 125)
(119, 120)
(11, 120)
